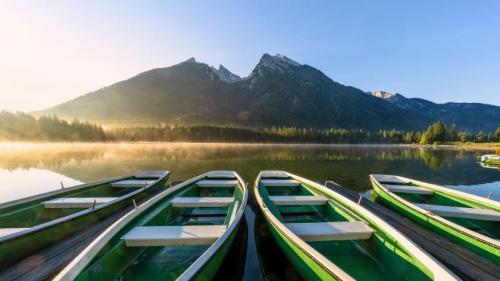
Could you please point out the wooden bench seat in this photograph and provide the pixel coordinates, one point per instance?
(274, 174)
(221, 174)
(8, 231)
(411, 189)
(462, 212)
(132, 183)
(280, 182)
(390, 179)
(298, 200)
(196, 202)
(329, 231)
(148, 236)
(217, 183)
(77, 202)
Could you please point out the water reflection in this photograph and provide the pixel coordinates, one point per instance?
(348, 165)
(27, 169)
(21, 183)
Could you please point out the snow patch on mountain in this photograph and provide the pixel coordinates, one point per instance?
(382, 94)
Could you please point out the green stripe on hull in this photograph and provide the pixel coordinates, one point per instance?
(213, 265)
(303, 263)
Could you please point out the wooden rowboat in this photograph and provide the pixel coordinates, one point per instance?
(182, 233)
(468, 220)
(30, 224)
(329, 237)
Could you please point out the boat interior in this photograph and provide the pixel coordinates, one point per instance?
(337, 233)
(66, 202)
(170, 235)
(474, 217)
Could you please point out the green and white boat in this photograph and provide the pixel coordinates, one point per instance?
(183, 233)
(329, 237)
(490, 159)
(33, 223)
(468, 220)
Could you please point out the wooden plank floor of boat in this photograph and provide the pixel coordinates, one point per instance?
(47, 262)
(464, 263)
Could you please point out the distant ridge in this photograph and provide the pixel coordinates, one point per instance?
(468, 116)
(278, 92)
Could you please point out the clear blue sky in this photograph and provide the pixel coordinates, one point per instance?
(437, 50)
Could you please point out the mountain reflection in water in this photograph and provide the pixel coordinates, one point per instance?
(27, 169)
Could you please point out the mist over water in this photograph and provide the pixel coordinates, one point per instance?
(28, 169)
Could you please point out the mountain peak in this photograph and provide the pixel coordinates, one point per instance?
(190, 60)
(277, 63)
(225, 75)
(278, 60)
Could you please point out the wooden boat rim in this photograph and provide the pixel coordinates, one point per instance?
(85, 257)
(459, 228)
(438, 270)
(79, 214)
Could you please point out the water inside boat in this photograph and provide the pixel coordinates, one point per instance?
(434, 200)
(205, 211)
(375, 258)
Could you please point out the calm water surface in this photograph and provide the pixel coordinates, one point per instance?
(27, 169)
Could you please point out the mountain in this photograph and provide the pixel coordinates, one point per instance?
(278, 92)
(471, 117)
(226, 75)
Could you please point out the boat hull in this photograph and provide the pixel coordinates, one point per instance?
(307, 267)
(16, 247)
(432, 223)
(318, 254)
(112, 256)
(213, 265)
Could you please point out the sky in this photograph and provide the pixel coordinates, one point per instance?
(54, 51)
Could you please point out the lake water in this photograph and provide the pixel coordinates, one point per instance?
(27, 169)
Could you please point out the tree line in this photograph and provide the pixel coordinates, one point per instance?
(24, 127)
(437, 133)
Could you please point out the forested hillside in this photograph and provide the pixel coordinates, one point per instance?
(278, 92)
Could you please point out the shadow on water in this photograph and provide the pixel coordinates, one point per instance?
(254, 247)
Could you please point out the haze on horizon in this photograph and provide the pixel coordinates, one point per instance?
(58, 50)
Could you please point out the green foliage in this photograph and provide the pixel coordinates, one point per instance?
(435, 133)
(24, 127)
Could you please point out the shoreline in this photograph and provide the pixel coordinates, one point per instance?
(475, 146)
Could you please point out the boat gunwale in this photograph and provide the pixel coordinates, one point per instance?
(194, 268)
(82, 213)
(78, 264)
(463, 230)
(439, 271)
